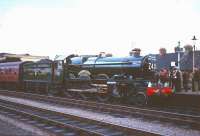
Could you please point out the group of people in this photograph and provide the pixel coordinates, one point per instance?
(196, 80)
(179, 80)
(191, 80)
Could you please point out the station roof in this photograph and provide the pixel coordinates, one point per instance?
(22, 57)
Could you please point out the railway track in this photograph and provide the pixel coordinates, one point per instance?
(65, 124)
(180, 118)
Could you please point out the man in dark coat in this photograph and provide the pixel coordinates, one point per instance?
(185, 80)
(195, 80)
(199, 79)
(176, 80)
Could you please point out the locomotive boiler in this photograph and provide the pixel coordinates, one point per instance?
(102, 67)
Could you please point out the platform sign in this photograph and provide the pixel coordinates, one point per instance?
(173, 63)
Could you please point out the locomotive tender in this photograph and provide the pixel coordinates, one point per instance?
(100, 76)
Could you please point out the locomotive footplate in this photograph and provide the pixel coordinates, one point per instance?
(93, 88)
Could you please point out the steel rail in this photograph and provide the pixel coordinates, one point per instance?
(57, 118)
(193, 120)
(48, 123)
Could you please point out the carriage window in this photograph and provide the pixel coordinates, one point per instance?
(9, 70)
(6, 71)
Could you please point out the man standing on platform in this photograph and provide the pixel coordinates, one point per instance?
(176, 80)
(185, 80)
(195, 80)
(199, 79)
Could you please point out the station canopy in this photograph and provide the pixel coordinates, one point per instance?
(20, 57)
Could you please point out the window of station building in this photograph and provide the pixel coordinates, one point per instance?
(1, 71)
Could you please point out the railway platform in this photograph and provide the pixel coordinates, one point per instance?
(189, 92)
(189, 98)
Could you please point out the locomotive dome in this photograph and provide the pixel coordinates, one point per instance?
(135, 52)
(136, 49)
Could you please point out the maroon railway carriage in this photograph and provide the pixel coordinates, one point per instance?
(10, 74)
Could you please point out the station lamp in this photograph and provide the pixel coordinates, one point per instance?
(193, 54)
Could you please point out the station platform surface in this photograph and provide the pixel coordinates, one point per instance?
(189, 98)
(189, 92)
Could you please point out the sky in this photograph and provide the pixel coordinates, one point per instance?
(63, 27)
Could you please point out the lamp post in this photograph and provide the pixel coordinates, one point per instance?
(179, 55)
(193, 54)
